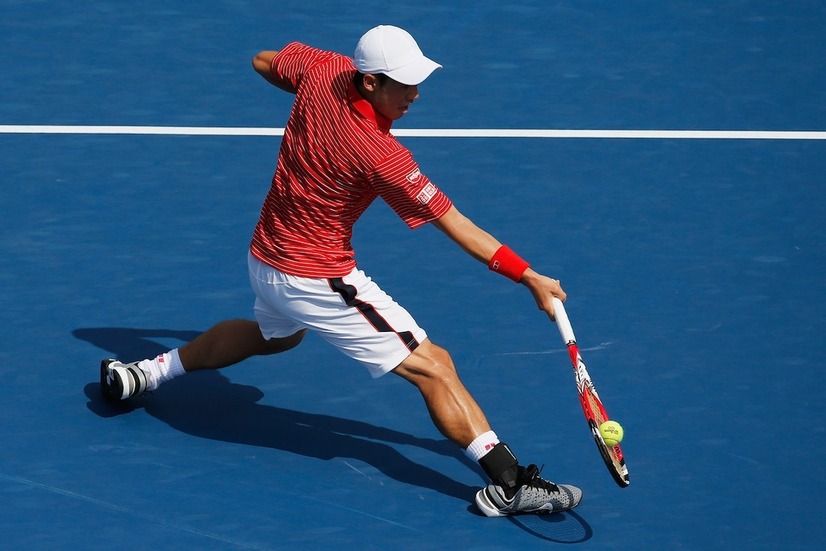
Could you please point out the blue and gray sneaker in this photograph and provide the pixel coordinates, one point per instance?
(533, 495)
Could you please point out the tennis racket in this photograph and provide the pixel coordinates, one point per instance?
(595, 412)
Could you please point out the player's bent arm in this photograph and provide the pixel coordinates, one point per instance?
(482, 246)
(262, 63)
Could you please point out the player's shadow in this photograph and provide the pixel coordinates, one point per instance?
(132, 344)
(206, 404)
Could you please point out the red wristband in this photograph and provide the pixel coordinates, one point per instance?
(508, 263)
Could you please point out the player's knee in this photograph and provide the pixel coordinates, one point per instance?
(442, 362)
(429, 364)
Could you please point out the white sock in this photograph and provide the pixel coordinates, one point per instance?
(482, 445)
(163, 368)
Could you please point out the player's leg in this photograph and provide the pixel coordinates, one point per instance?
(453, 410)
(513, 488)
(224, 344)
(230, 342)
(367, 325)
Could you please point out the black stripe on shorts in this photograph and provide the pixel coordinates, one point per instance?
(349, 292)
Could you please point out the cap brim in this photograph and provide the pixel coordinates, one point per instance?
(414, 73)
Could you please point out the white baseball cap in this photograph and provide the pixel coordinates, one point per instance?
(392, 51)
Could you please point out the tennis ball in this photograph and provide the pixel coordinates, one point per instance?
(611, 432)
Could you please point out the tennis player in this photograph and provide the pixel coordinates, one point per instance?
(337, 156)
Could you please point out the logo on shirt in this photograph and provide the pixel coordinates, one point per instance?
(426, 194)
(414, 176)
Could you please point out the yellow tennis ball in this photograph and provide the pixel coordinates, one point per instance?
(611, 432)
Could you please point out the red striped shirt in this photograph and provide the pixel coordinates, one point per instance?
(337, 155)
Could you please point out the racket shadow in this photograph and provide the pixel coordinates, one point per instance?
(567, 527)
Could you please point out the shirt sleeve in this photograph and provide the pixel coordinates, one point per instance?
(411, 194)
(294, 60)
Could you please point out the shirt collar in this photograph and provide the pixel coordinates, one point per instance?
(366, 109)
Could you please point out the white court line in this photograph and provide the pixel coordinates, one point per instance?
(430, 132)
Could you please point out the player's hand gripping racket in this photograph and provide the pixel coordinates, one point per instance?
(591, 404)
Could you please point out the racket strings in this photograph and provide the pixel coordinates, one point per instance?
(599, 417)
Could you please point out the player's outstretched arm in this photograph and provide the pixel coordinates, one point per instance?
(487, 249)
(471, 238)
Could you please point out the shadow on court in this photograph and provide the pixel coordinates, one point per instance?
(567, 527)
(131, 344)
(207, 405)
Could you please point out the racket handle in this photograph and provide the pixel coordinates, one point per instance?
(562, 322)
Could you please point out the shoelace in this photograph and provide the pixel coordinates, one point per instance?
(531, 477)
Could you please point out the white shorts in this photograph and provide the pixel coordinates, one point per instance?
(352, 313)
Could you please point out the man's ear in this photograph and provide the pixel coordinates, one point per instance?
(370, 82)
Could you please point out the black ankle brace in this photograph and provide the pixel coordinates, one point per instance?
(501, 466)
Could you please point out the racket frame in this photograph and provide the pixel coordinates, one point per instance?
(592, 405)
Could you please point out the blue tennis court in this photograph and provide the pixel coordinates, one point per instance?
(694, 269)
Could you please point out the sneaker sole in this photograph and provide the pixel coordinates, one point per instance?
(121, 382)
(105, 390)
(489, 509)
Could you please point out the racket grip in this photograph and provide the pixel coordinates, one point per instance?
(562, 322)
